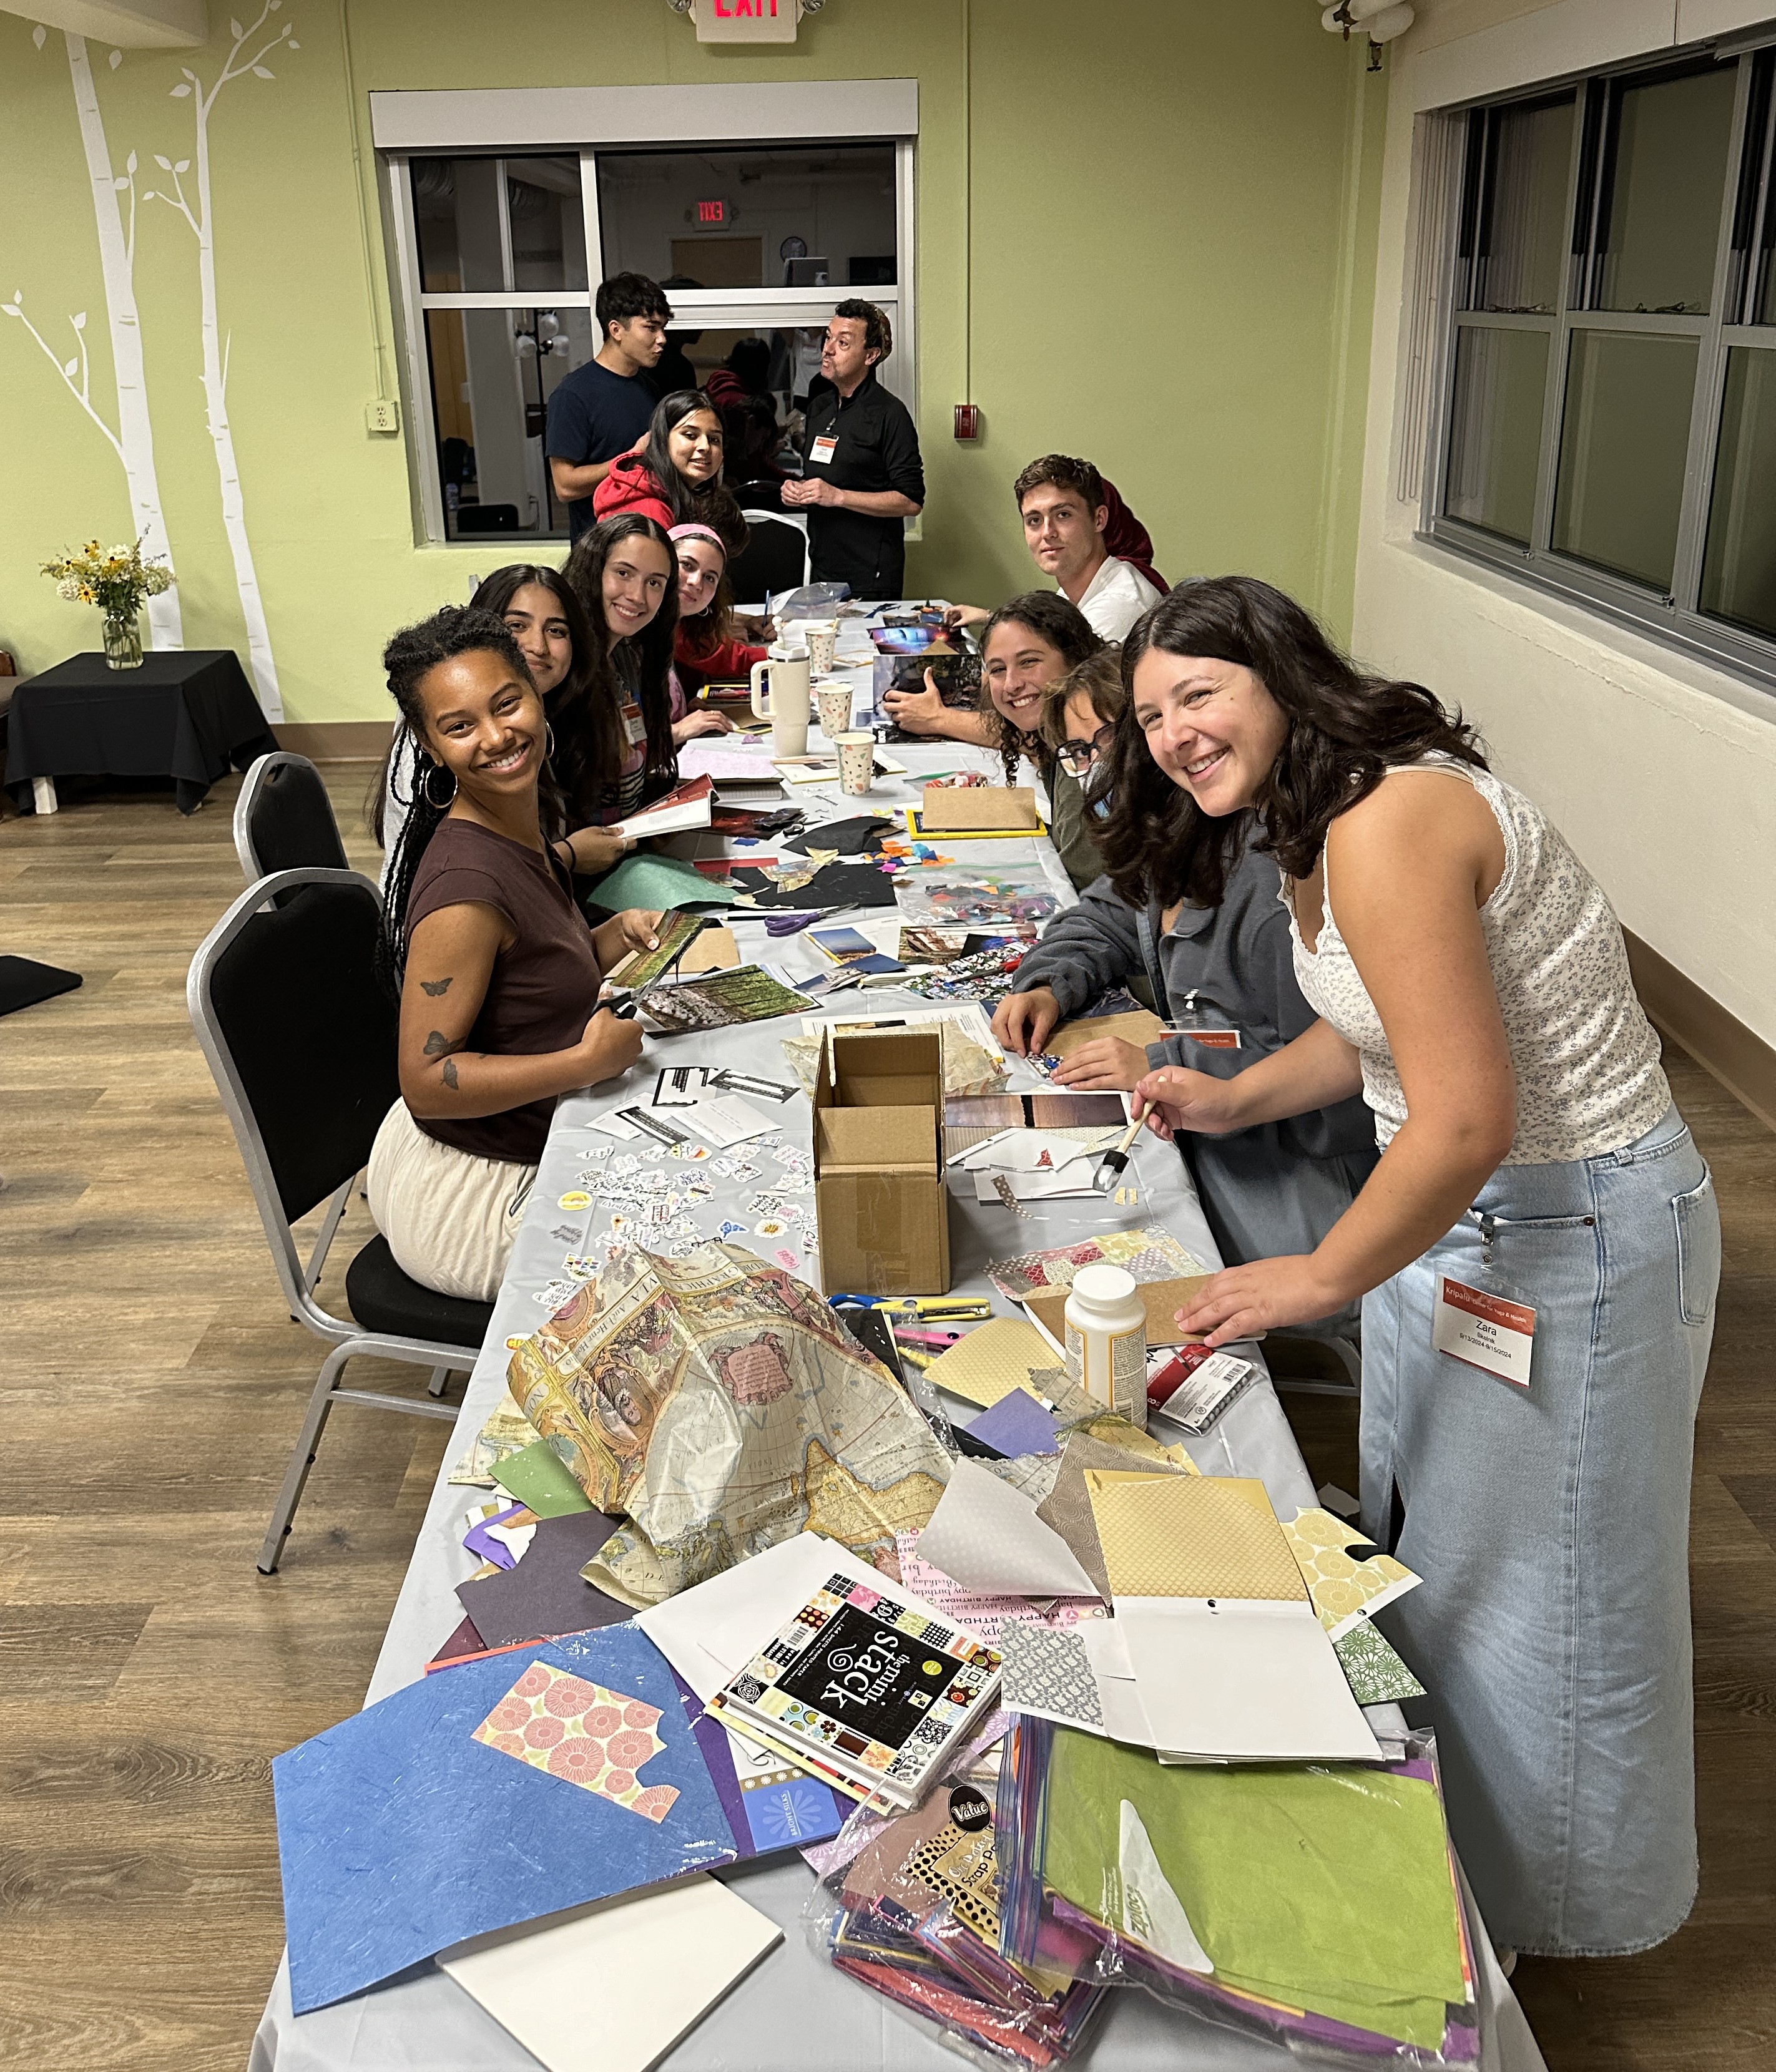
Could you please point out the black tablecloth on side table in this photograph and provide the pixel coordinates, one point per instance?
(189, 716)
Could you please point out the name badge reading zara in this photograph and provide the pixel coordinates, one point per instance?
(820, 454)
(1483, 1330)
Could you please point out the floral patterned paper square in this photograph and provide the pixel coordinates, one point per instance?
(584, 1734)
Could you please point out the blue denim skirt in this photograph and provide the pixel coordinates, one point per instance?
(1550, 1527)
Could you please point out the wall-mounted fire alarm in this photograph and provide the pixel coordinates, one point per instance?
(968, 421)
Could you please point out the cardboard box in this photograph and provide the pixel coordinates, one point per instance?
(979, 809)
(880, 1199)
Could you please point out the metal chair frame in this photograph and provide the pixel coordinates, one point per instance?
(347, 1339)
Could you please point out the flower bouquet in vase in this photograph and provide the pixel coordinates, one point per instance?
(117, 582)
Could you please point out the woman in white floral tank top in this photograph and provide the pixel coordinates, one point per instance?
(1537, 1251)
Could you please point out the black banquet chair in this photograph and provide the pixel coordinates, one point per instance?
(300, 1036)
(775, 559)
(283, 820)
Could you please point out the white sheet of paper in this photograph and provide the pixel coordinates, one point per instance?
(986, 1536)
(728, 1119)
(710, 1630)
(1241, 1677)
(612, 1124)
(1074, 1177)
(613, 1988)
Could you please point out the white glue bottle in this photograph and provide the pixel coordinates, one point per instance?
(1106, 1340)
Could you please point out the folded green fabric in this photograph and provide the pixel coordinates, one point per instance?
(1325, 1886)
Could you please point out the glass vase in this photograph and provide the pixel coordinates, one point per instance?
(122, 641)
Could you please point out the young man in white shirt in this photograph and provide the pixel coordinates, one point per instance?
(1062, 502)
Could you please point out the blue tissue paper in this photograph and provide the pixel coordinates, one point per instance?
(1016, 1424)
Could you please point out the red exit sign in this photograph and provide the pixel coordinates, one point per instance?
(711, 215)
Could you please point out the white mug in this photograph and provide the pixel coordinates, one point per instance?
(785, 672)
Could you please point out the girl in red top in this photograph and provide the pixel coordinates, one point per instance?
(708, 648)
(675, 476)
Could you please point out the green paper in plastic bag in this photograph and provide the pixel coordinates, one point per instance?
(1324, 1886)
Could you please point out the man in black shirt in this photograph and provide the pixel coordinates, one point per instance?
(597, 415)
(861, 454)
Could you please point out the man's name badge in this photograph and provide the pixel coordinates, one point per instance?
(1483, 1330)
(823, 449)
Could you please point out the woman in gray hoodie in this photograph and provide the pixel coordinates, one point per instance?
(1221, 977)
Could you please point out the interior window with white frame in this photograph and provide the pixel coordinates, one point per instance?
(500, 255)
(1607, 424)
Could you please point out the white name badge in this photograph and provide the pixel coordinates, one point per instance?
(822, 449)
(635, 727)
(1483, 1330)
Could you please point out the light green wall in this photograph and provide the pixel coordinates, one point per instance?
(1173, 230)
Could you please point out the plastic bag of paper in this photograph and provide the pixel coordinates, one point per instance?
(718, 1403)
(913, 1914)
(818, 600)
(974, 898)
(1315, 1905)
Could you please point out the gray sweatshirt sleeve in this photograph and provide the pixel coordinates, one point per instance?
(1088, 949)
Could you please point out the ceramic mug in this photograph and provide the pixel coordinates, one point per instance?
(835, 702)
(784, 673)
(856, 763)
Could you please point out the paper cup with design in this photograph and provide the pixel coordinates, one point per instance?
(822, 639)
(856, 763)
(835, 702)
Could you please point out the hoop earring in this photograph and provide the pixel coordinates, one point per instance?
(437, 805)
(548, 741)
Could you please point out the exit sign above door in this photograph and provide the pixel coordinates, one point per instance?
(746, 21)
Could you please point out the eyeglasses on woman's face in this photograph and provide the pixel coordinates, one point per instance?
(1078, 756)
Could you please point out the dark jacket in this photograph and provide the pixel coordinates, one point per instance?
(1225, 967)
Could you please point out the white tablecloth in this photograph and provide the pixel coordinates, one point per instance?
(793, 2013)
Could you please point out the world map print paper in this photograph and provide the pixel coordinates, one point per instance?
(584, 1734)
(719, 1403)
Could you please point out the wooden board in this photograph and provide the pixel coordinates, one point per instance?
(979, 809)
(1160, 1299)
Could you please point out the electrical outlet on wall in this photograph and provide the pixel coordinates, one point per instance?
(382, 415)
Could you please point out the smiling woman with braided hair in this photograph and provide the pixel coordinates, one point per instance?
(497, 972)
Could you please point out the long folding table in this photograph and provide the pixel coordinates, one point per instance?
(793, 2013)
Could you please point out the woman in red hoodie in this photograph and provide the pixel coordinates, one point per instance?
(675, 476)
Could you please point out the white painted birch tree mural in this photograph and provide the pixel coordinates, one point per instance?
(199, 218)
(133, 440)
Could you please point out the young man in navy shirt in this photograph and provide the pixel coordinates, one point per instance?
(860, 452)
(602, 408)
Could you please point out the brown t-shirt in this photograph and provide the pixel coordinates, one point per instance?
(543, 991)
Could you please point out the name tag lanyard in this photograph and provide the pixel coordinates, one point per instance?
(1484, 1322)
(1194, 1029)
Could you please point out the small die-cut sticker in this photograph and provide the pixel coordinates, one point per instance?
(581, 1269)
(513, 1345)
(786, 1257)
(575, 1198)
(619, 1224)
(687, 1248)
(730, 1229)
(690, 1151)
(770, 1227)
(552, 1296)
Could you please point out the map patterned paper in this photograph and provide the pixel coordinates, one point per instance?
(718, 1403)
(584, 1734)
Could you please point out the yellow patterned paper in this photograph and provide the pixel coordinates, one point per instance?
(1190, 1536)
(1343, 1589)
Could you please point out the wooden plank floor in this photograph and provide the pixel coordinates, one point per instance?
(151, 1385)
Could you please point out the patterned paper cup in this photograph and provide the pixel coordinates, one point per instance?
(856, 763)
(822, 639)
(835, 702)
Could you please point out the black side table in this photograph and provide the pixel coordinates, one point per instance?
(189, 715)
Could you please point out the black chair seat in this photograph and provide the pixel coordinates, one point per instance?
(383, 1298)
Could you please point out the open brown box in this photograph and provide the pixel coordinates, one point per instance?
(1161, 1298)
(880, 1200)
(979, 809)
